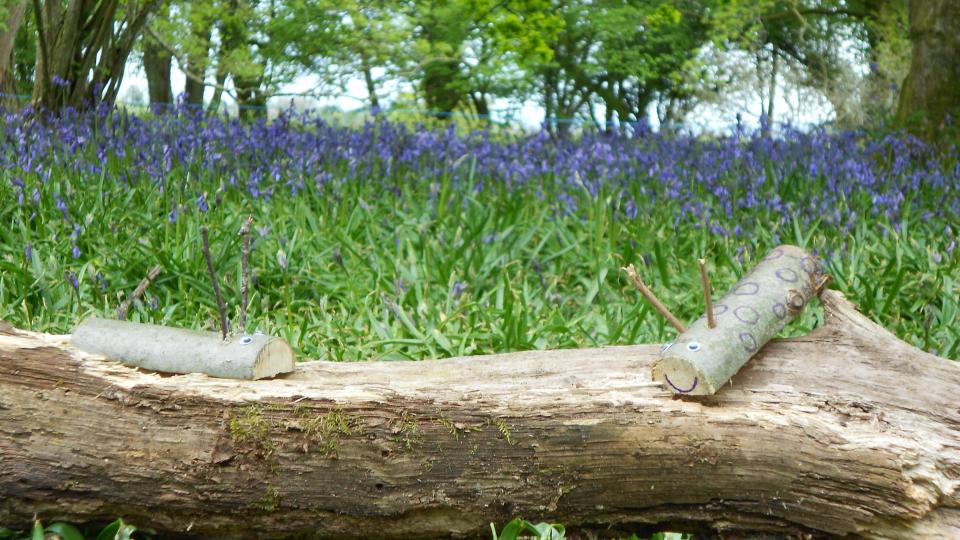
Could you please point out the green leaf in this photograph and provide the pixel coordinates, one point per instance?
(65, 531)
(512, 529)
(110, 531)
(37, 532)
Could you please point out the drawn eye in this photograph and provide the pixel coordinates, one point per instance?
(246, 340)
(694, 346)
(666, 346)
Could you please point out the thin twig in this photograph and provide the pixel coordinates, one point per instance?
(245, 272)
(707, 293)
(824, 281)
(648, 294)
(216, 285)
(138, 292)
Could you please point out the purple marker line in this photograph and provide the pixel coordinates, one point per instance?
(682, 391)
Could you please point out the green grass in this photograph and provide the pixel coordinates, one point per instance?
(369, 276)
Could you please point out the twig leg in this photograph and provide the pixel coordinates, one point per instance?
(216, 284)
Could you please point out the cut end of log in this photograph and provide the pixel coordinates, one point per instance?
(275, 357)
(178, 350)
(681, 377)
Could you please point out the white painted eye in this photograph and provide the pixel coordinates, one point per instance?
(246, 340)
(666, 346)
(694, 346)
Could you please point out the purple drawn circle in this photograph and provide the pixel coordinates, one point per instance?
(775, 254)
(718, 309)
(787, 275)
(808, 265)
(746, 288)
(780, 311)
(681, 390)
(748, 341)
(746, 315)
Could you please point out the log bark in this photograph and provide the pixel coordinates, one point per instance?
(845, 432)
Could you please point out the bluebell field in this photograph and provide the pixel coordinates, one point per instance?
(837, 179)
(77, 184)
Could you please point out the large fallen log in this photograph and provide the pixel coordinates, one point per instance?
(844, 432)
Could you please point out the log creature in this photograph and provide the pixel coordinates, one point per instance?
(177, 350)
(704, 357)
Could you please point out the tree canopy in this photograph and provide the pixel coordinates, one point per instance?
(602, 61)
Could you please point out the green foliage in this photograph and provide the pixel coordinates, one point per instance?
(117, 530)
(433, 272)
(520, 528)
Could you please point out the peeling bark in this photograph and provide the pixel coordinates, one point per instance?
(844, 432)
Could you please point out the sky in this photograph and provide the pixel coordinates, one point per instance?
(797, 106)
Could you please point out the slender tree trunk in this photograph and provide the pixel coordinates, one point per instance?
(771, 92)
(15, 17)
(844, 433)
(930, 98)
(480, 105)
(549, 99)
(251, 101)
(368, 79)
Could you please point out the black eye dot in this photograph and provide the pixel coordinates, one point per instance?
(246, 340)
(694, 346)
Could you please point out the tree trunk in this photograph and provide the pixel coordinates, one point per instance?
(82, 50)
(930, 97)
(441, 80)
(844, 432)
(368, 80)
(156, 63)
(771, 93)
(201, 28)
(8, 38)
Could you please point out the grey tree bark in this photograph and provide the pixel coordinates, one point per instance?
(15, 13)
(931, 91)
(157, 62)
(846, 432)
(201, 28)
(83, 49)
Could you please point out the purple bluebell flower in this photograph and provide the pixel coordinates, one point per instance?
(75, 252)
(28, 252)
(458, 289)
(62, 206)
(202, 202)
(72, 280)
